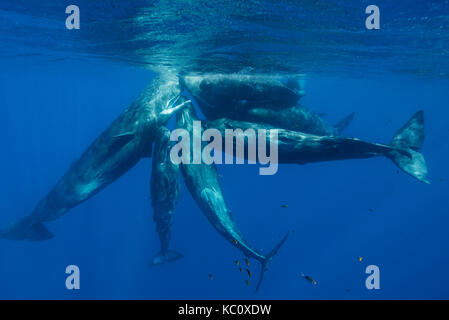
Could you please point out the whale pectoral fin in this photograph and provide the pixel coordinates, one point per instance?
(173, 109)
(123, 139)
(126, 136)
(172, 101)
(344, 123)
(120, 140)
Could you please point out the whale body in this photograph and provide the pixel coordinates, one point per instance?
(128, 139)
(228, 95)
(296, 147)
(203, 184)
(296, 118)
(258, 98)
(165, 188)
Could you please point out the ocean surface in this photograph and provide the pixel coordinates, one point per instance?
(59, 89)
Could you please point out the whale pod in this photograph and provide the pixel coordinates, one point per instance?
(258, 98)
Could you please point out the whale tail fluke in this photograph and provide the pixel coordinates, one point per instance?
(344, 123)
(267, 260)
(24, 230)
(168, 256)
(406, 143)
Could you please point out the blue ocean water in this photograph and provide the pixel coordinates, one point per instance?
(60, 89)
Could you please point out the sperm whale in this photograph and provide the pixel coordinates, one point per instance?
(165, 188)
(128, 139)
(204, 186)
(300, 148)
(265, 99)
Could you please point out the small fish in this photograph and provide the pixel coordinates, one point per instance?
(284, 206)
(249, 272)
(235, 241)
(441, 179)
(220, 175)
(322, 114)
(360, 259)
(240, 269)
(371, 210)
(348, 290)
(247, 262)
(247, 282)
(308, 278)
(211, 276)
(236, 262)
